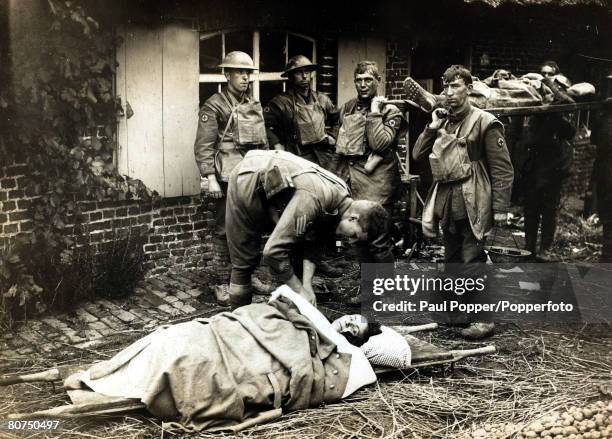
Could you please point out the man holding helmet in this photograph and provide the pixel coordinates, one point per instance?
(296, 119)
(230, 124)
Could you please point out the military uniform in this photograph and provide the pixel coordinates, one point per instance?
(299, 123)
(465, 206)
(218, 149)
(548, 166)
(361, 133)
(292, 199)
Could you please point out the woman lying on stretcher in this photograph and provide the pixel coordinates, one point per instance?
(237, 369)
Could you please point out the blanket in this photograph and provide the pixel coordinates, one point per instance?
(232, 370)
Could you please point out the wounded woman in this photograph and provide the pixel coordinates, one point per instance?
(236, 369)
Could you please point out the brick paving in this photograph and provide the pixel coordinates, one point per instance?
(155, 301)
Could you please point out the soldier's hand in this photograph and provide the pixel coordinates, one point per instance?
(309, 294)
(377, 103)
(330, 140)
(500, 218)
(438, 116)
(279, 147)
(214, 189)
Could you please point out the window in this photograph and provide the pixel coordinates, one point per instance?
(270, 51)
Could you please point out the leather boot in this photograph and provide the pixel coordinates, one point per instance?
(478, 330)
(418, 94)
(221, 294)
(326, 269)
(239, 295)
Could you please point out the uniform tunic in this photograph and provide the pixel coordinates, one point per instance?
(382, 133)
(313, 206)
(280, 116)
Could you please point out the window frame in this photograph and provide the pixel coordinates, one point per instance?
(257, 77)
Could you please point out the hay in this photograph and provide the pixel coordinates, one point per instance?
(534, 374)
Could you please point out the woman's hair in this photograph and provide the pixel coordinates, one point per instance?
(373, 329)
(553, 65)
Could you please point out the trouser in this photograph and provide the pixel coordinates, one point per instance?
(541, 206)
(465, 258)
(221, 257)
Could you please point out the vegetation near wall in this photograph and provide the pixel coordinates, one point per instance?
(58, 118)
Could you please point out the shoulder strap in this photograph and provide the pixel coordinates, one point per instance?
(233, 109)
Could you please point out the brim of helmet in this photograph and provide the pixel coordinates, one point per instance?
(236, 66)
(310, 67)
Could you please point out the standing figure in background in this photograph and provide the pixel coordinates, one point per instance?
(548, 165)
(473, 177)
(549, 162)
(296, 120)
(368, 135)
(230, 124)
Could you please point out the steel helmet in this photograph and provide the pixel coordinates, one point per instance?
(298, 62)
(238, 60)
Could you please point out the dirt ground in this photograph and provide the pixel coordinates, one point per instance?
(539, 374)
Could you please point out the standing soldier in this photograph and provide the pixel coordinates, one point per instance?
(230, 124)
(473, 178)
(367, 139)
(296, 120)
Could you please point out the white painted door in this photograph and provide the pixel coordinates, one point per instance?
(157, 77)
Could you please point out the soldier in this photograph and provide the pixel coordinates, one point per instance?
(296, 202)
(296, 120)
(472, 179)
(368, 132)
(230, 123)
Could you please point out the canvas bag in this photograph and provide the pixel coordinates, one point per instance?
(352, 135)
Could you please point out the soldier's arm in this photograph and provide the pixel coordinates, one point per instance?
(424, 144)
(332, 113)
(273, 117)
(500, 168)
(301, 212)
(206, 140)
(382, 129)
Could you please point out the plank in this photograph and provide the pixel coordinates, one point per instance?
(144, 94)
(180, 67)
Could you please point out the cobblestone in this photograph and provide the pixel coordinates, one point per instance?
(155, 301)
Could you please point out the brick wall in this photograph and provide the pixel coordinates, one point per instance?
(177, 229)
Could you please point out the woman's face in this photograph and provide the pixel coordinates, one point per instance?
(354, 324)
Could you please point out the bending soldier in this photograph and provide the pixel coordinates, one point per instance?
(230, 124)
(297, 202)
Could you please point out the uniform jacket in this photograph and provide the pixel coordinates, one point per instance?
(213, 118)
(490, 187)
(550, 151)
(314, 205)
(279, 116)
(382, 135)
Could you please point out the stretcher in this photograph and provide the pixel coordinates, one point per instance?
(424, 354)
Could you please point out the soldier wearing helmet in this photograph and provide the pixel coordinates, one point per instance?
(230, 124)
(296, 120)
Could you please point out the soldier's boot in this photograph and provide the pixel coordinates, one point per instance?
(478, 330)
(326, 269)
(221, 294)
(260, 287)
(240, 295)
(222, 268)
(419, 95)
